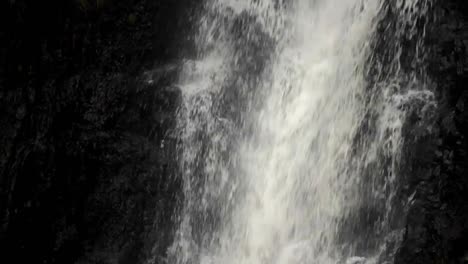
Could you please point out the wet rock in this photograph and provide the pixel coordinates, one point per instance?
(83, 178)
(436, 226)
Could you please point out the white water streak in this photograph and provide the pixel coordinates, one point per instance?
(275, 187)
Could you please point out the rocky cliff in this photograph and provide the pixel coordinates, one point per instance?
(87, 160)
(437, 222)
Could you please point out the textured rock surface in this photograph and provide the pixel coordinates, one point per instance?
(86, 159)
(437, 223)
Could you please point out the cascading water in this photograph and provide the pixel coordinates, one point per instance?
(291, 131)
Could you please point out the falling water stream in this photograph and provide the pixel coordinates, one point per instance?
(290, 131)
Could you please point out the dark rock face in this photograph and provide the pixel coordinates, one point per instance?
(87, 160)
(437, 222)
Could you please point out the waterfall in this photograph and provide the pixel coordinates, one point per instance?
(291, 128)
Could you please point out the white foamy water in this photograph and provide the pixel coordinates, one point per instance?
(278, 150)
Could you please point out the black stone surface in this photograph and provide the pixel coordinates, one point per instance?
(86, 156)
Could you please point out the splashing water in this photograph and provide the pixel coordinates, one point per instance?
(291, 131)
